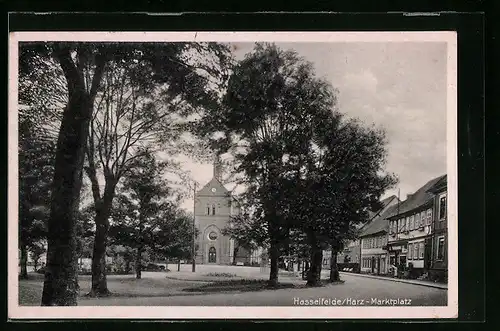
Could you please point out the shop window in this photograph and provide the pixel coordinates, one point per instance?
(440, 250)
(415, 250)
(410, 251)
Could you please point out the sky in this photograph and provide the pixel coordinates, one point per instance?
(400, 87)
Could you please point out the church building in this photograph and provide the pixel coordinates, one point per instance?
(214, 205)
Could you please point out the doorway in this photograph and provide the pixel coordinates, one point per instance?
(212, 255)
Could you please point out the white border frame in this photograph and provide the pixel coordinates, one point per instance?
(197, 312)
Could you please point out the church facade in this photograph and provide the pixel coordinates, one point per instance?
(214, 206)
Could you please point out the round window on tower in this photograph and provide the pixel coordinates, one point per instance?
(214, 189)
(212, 235)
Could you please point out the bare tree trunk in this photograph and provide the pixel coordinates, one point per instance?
(314, 273)
(60, 287)
(24, 261)
(127, 266)
(61, 284)
(99, 279)
(138, 266)
(35, 264)
(274, 257)
(334, 270)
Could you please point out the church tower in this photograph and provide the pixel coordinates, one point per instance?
(217, 168)
(213, 208)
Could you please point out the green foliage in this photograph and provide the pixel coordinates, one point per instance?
(307, 169)
(36, 168)
(144, 217)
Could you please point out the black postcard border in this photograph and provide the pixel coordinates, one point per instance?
(471, 110)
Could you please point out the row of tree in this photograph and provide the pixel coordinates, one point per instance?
(109, 110)
(311, 174)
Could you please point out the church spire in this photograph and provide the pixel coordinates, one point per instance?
(217, 167)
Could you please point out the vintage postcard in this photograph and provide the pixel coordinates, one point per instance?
(233, 175)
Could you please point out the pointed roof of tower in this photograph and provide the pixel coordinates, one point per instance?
(215, 182)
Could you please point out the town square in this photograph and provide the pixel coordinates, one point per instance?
(229, 173)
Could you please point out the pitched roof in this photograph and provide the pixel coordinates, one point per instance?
(373, 214)
(220, 190)
(379, 223)
(421, 197)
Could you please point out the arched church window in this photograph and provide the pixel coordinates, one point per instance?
(213, 209)
(208, 209)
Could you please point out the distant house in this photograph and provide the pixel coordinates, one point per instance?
(374, 238)
(352, 250)
(411, 230)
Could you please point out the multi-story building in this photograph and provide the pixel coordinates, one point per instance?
(374, 238)
(214, 206)
(411, 230)
(439, 255)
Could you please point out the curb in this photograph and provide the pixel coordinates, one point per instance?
(438, 286)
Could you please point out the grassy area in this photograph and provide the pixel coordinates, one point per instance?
(159, 285)
(238, 285)
(30, 290)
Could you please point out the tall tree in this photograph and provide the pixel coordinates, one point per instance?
(143, 208)
(345, 168)
(267, 110)
(135, 115)
(83, 66)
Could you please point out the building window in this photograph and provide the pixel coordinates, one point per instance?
(421, 250)
(213, 209)
(325, 261)
(429, 217)
(412, 223)
(417, 220)
(440, 250)
(208, 209)
(415, 250)
(410, 251)
(423, 218)
(442, 207)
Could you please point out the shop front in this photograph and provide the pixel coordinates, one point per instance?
(397, 257)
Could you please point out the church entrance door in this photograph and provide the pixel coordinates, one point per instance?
(212, 255)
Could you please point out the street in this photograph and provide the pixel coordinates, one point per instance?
(356, 290)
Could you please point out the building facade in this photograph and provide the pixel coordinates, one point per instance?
(213, 209)
(411, 231)
(439, 253)
(374, 239)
